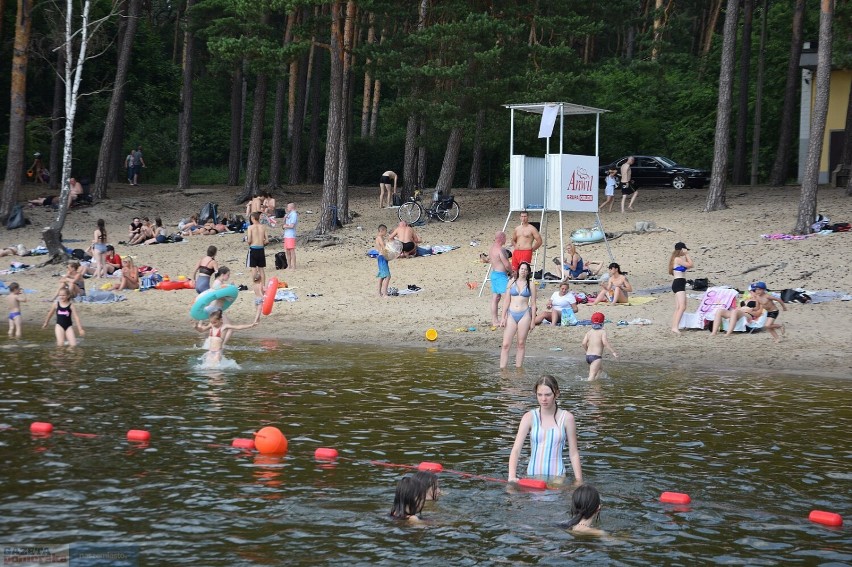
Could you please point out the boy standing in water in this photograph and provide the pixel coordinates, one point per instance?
(594, 343)
(14, 300)
(384, 269)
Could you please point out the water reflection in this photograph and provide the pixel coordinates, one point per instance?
(756, 453)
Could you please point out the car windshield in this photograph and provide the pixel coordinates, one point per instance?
(666, 161)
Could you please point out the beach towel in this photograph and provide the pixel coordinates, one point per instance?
(712, 300)
(100, 297)
(744, 325)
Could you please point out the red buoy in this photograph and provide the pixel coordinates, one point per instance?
(675, 498)
(325, 454)
(138, 435)
(270, 441)
(243, 443)
(532, 483)
(431, 467)
(41, 428)
(826, 518)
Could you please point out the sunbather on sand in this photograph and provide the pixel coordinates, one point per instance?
(751, 310)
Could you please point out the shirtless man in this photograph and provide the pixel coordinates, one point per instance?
(257, 238)
(405, 234)
(75, 193)
(500, 267)
(526, 240)
(385, 186)
(627, 186)
(254, 205)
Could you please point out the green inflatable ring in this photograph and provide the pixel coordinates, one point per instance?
(198, 309)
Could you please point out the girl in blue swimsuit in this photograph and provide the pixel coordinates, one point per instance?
(679, 263)
(518, 314)
(66, 319)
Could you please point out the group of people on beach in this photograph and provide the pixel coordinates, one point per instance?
(549, 430)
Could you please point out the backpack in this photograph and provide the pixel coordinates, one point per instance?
(209, 211)
(280, 260)
(16, 219)
(794, 296)
(699, 284)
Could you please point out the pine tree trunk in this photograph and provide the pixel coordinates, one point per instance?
(299, 123)
(810, 181)
(718, 178)
(781, 167)
(275, 153)
(17, 109)
(710, 30)
(235, 153)
(185, 116)
(758, 96)
(740, 143)
(409, 164)
(346, 123)
(328, 203)
(421, 154)
(313, 173)
(255, 151)
(105, 156)
(368, 80)
(451, 158)
(474, 182)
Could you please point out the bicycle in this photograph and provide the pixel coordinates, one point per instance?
(442, 208)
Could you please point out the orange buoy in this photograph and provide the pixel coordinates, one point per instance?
(270, 441)
(325, 454)
(533, 483)
(243, 443)
(269, 296)
(431, 467)
(41, 428)
(675, 498)
(826, 518)
(138, 435)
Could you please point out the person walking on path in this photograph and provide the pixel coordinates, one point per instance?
(627, 185)
(138, 164)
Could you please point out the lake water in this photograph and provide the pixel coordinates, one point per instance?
(756, 453)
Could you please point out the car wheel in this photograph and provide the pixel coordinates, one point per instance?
(679, 182)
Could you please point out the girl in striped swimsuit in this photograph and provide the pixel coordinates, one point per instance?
(548, 428)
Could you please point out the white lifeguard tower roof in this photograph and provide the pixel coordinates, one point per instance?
(564, 108)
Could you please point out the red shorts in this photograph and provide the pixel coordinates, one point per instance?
(519, 256)
(289, 244)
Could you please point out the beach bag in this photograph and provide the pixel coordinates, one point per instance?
(794, 296)
(397, 199)
(208, 211)
(581, 297)
(16, 219)
(147, 282)
(569, 319)
(699, 284)
(280, 260)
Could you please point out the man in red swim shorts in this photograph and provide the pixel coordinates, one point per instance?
(526, 240)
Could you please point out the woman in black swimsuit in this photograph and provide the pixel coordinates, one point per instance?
(205, 269)
(66, 319)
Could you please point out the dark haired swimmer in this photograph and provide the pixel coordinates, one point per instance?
(585, 511)
(411, 494)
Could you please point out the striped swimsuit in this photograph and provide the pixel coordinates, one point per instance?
(546, 447)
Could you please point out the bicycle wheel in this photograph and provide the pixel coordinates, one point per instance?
(448, 214)
(410, 212)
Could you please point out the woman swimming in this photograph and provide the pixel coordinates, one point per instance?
(585, 511)
(411, 494)
(518, 314)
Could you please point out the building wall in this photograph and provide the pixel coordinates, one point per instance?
(838, 101)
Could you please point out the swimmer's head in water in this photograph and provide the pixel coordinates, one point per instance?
(585, 504)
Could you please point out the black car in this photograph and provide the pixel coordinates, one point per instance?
(650, 171)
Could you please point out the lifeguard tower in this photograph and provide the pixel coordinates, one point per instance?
(557, 182)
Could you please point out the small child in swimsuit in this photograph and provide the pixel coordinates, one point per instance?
(594, 343)
(766, 301)
(66, 319)
(219, 332)
(14, 300)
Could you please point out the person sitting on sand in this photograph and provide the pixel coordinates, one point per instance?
(409, 238)
(73, 280)
(751, 310)
(575, 268)
(219, 331)
(145, 233)
(189, 226)
(129, 275)
(561, 299)
(616, 288)
(160, 234)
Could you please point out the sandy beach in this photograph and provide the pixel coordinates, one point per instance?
(337, 290)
